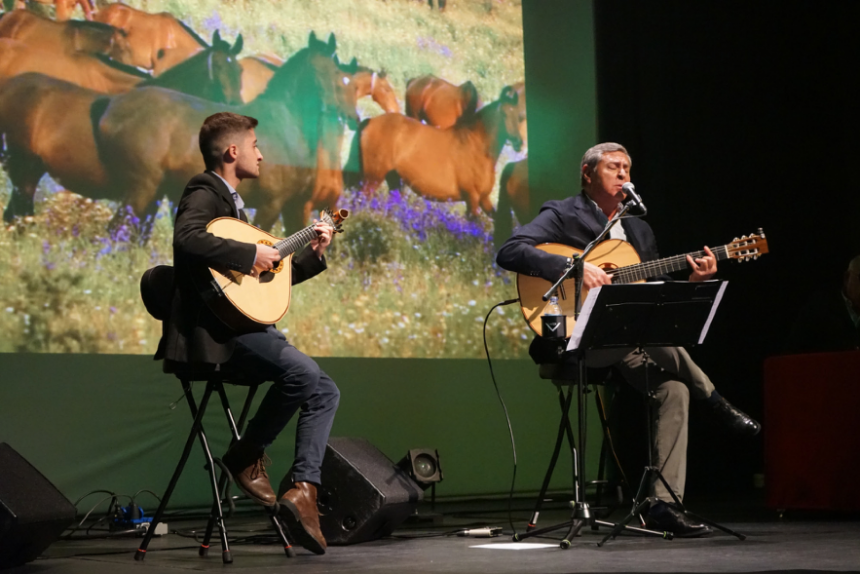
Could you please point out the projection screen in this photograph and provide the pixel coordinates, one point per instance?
(93, 164)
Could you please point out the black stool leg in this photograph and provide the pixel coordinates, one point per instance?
(214, 383)
(236, 430)
(563, 428)
(195, 428)
(222, 482)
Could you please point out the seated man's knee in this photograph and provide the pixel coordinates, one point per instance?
(304, 375)
(673, 394)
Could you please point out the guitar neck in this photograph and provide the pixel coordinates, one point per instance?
(295, 241)
(642, 271)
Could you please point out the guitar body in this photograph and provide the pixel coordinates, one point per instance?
(608, 255)
(248, 300)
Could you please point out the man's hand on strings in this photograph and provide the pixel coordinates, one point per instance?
(267, 256)
(323, 239)
(703, 267)
(594, 276)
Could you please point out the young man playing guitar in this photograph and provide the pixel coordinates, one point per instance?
(193, 334)
(576, 221)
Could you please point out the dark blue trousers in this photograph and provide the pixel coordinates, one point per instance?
(298, 384)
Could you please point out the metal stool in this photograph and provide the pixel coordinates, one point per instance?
(567, 375)
(156, 289)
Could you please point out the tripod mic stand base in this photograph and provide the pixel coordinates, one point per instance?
(581, 516)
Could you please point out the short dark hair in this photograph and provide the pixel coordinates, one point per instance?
(218, 132)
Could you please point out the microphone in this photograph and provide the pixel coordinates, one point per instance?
(630, 190)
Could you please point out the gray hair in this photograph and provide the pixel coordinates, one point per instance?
(592, 157)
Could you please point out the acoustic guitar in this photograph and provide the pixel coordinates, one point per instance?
(246, 302)
(619, 260)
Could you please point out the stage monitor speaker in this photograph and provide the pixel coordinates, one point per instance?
(33, 513)
(363, 495)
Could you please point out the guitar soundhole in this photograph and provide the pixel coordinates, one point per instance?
(606, 266)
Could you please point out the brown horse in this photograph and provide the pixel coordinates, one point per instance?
(513, 194)
(78, 68)
(63, 9)
(158, 41)
(215, 64)
(328, 183)
(68, 37)
(48, 124)
(373, 84)
(438, 102)
(451, 164)
(257, 70)
(520, 89)
(148, 138)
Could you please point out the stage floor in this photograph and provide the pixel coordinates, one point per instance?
(801, 543)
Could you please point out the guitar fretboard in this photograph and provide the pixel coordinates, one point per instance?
(295, 241)
(648, 269)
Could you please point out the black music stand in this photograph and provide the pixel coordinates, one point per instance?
(648, 315)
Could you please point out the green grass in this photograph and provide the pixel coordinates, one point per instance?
(391, 290)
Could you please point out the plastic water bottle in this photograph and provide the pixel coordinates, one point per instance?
(553, 323)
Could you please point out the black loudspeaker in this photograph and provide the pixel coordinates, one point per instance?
(363, 495)
(33, 513)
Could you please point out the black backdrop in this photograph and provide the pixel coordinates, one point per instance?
(738, 115)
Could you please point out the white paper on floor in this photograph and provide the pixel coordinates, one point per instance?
(515, 546)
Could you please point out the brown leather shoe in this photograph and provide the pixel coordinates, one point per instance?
(298, 508)
(247, 463)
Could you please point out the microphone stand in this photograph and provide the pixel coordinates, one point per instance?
(577, 268)
(580, 511)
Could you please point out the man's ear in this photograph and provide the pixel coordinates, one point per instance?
(231, 153)
(586, 175)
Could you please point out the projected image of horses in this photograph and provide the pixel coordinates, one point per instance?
(100, 106)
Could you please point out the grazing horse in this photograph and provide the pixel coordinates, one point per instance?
(158, 41)
(148, 138)
(68, 37)
(513, 194)
(457, 163)
(48, 124)
(63, 8)
(438, 102)
(257, 70)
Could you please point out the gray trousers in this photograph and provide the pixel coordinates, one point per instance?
(672, 384)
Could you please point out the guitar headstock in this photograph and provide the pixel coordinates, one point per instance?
(748, 247)
(334, 218)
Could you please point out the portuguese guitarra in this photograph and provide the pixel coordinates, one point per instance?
(246, 302)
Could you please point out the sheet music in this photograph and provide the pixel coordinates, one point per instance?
(716, 304)
(584, 313)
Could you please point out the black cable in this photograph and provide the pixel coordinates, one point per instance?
(504, 408)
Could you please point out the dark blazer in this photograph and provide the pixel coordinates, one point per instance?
(192, 333)
(574, 221)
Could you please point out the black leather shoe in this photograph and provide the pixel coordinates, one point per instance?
(664, 516)
(735, 419)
